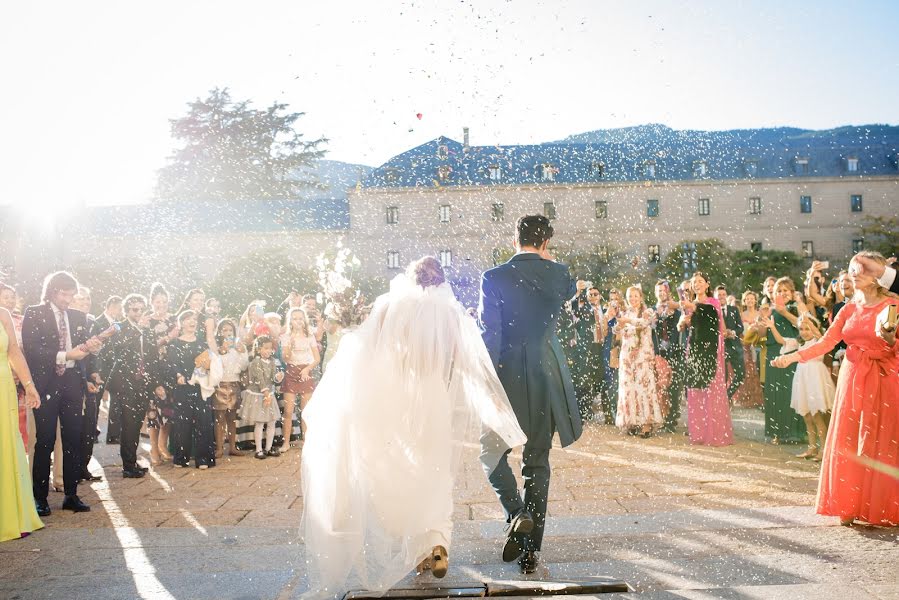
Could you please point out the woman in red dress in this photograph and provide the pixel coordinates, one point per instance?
(863, 440)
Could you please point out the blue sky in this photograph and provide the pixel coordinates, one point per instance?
(89, 87)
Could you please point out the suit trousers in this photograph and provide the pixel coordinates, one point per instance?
(89, 428)
(193, 427)
(133, 402)
(63, 403)
(535, 472)
(733, 356)
(114, 418)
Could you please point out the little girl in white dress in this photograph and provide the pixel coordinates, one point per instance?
(813, 388)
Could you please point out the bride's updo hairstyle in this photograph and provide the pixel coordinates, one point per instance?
(426, 272)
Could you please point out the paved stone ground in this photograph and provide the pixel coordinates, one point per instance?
(671, 519)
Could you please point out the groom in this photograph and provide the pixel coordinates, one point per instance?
(519, 311)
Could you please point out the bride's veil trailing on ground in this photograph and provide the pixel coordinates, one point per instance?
(387, 425)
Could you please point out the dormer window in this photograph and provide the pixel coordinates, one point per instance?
(751, 168)
(598, 169)
(444, 172)
(547, 172)
(442, 152)
(852, 165)
(649, 169)
(800, 166)
(392, 175)
(700, 168)
(495, 173)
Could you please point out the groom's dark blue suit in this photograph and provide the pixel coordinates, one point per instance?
(519, 310)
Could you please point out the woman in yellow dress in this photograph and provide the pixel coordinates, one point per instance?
(18, 516)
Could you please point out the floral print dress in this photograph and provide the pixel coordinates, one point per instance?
(638, 398)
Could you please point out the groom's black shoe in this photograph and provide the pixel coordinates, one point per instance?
(522, 523)
(527, 564)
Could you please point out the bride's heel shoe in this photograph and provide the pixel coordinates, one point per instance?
(439, 562)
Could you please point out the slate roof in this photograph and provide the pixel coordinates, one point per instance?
(623, 155)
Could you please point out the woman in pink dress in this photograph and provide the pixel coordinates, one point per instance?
(708, 409)
(863, 439)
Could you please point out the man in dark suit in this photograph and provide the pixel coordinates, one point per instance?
(668, 341)
(58, 348)
(519, 311)
(130, 351)
(733, 341)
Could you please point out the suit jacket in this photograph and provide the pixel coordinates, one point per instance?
(40, 344)
(734, 322)
(519, 311)
(131, 350)
(895, 285)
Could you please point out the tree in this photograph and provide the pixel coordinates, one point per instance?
(881, 234)
(750, 269)
(267, 275)
(710, 256)
(231, 151)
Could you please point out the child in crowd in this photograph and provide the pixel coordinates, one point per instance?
(300, 352)
(259, 404)
(159, 419)
(226, 401)
(813, 389)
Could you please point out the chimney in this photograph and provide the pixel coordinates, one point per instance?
(465, 139)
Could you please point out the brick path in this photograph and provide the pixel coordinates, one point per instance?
(605, 473)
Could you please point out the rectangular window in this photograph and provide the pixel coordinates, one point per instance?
(444, 213)
(700, 168)
(852, 165)
(755, 206)
(549, 210)
(649, 169)
(393, 215)
(495, 173)
(755, 247)
(498, 213)
(705, 207)
(800, 166)
(446, 258)
(751, 167)
(602, 209)
(655, 255)
(855, 201)
(393, 260)
(598, 169)
(808, 249)
(652, 208)
(805, 204)
(858, 244)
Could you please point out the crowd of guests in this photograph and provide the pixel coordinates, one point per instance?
(199, 382)
(822, 363)
(196, 383)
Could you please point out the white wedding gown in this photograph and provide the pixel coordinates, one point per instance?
(385, 431)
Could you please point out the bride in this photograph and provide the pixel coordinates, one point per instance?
(385, 431)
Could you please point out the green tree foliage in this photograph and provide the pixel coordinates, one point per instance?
(261, 275)
(881, 234)
(228, 150)
(750, 269)
(710, 256)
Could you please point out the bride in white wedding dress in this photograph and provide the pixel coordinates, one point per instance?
(385, 431)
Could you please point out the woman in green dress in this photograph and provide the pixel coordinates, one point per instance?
(18, 516)
(782, 424)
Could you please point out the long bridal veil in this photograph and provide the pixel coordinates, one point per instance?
(400, 401)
